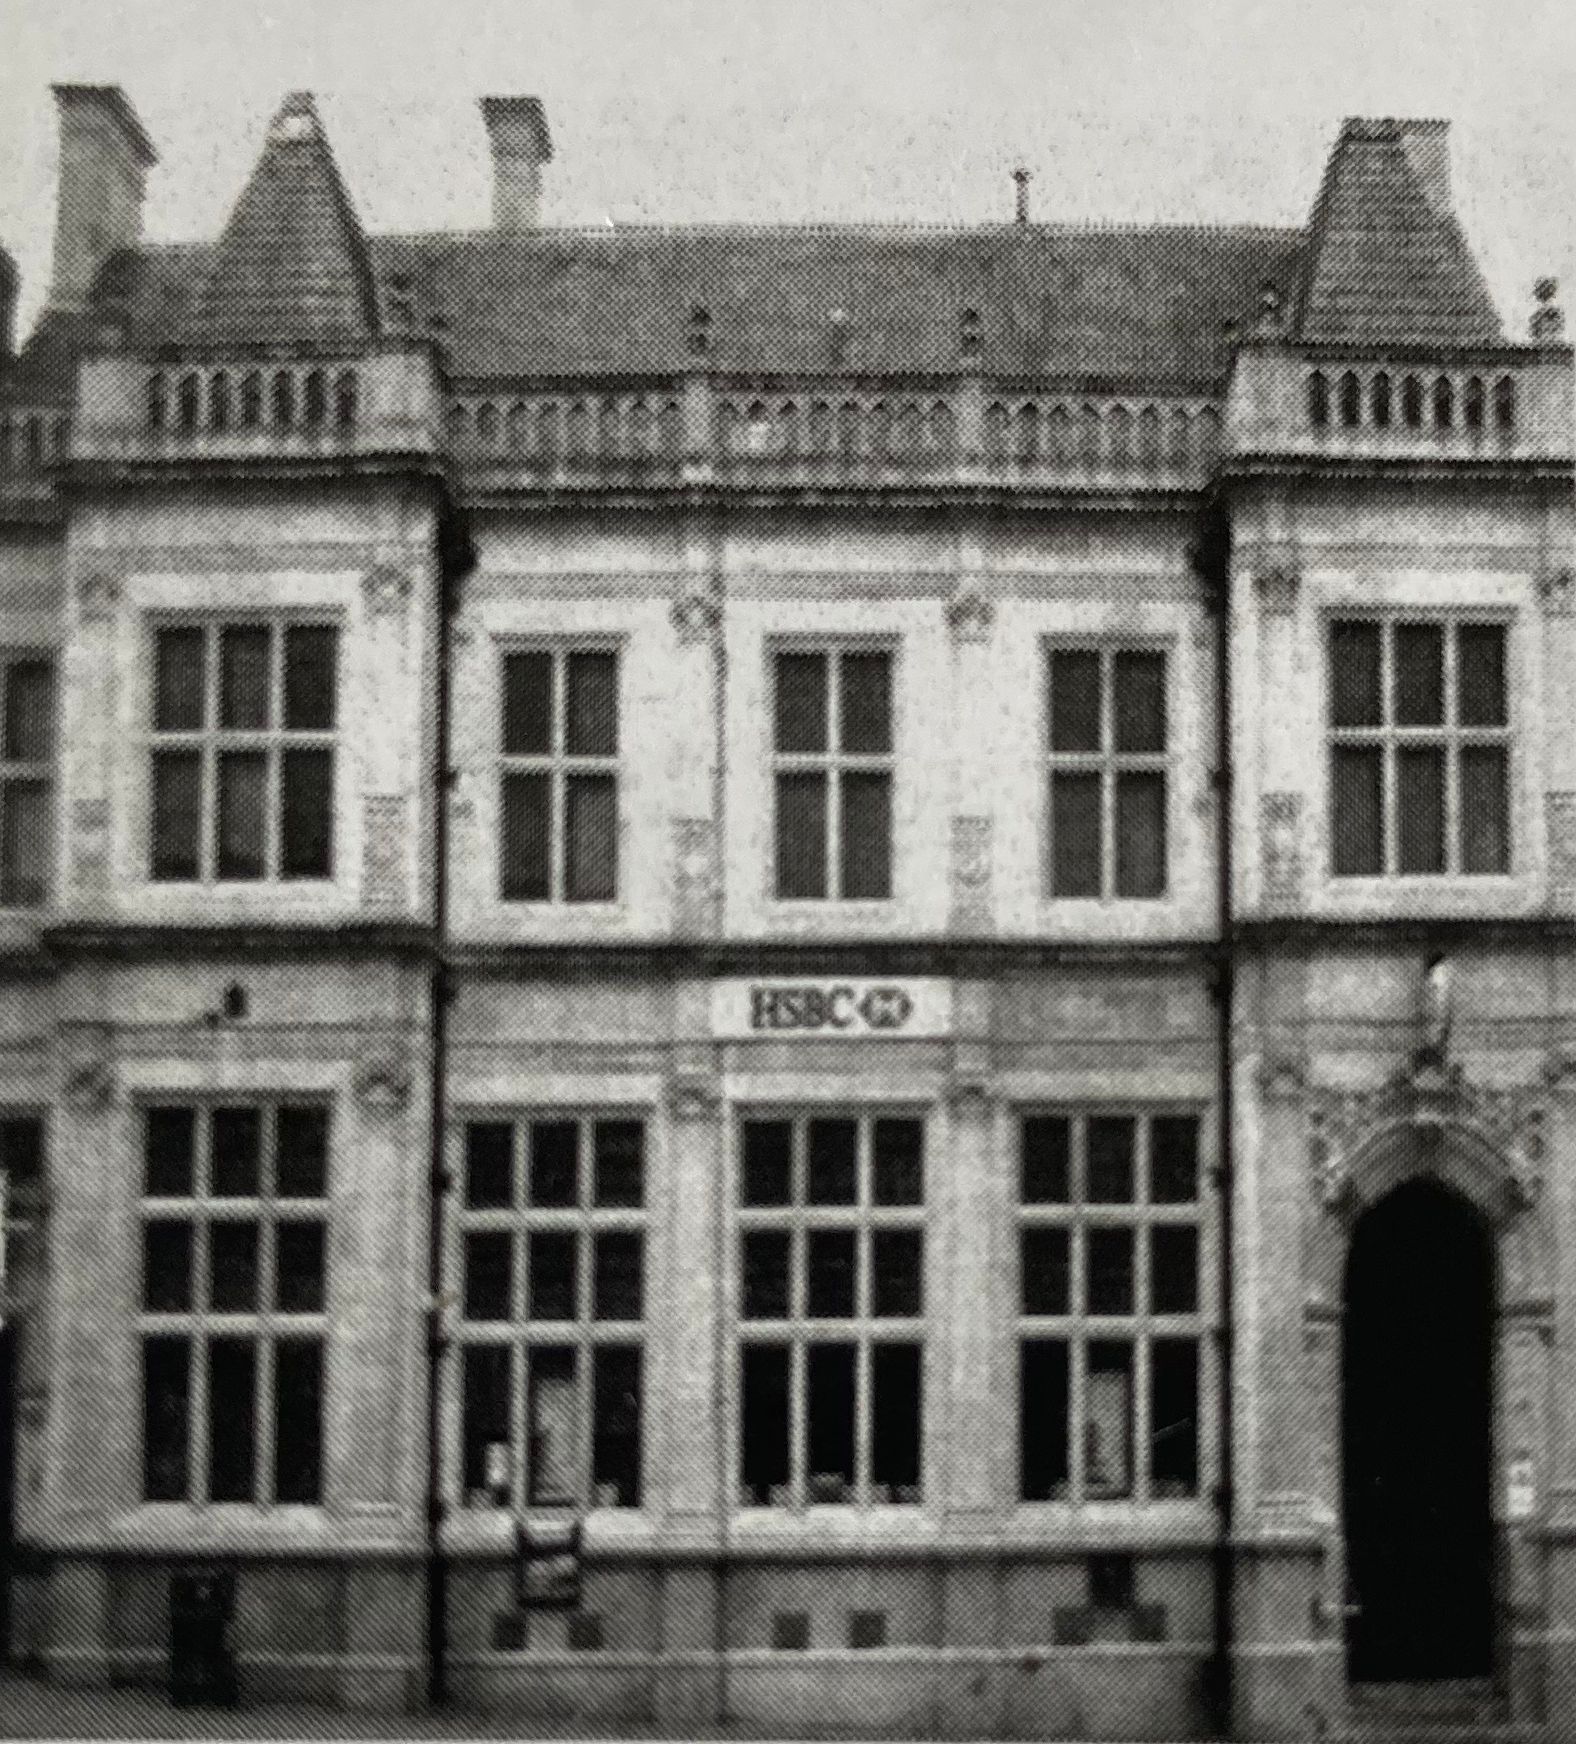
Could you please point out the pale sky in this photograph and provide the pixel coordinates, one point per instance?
(787, 110)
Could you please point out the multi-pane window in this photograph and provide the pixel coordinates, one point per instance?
(550, 1264)
(1419, 747)
(832, 773)
(558, 839)
(1111, 1306)
(831, 1309)
(1107, 739)
(234, 1234)
(244, 718)
(27, 747)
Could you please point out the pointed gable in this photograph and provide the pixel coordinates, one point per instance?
(291, 266)
(1387, 262)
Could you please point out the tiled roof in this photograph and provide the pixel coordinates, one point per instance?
(291, 265)
(1387, 262)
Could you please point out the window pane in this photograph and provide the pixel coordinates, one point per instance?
(800, 723)
(591, 728)
(1075, 701)
(619, 1147)
(1110, 1160)
(486, 1407)
(1485, 809)
(298, 1420)
(867, 836)
(1045, 1154)
(244, 676)
(166, 1418)
(311, 661)
(29, 711)
(1046, 1270)
(302, 1167)
(237, 1148)
(1173, 1269)
(763, 1436)
(1173, 1159)
(1140, 701)
(896, 1418)
(1355, 699)
(1419, 675)
(831, 1271)
(489, 1164)
(25, 846)
(1141, 834)
(299, 1266)
(768, 1163)
(1420, 809)
(552, 1270)
(166, 1267)
(526, 838)
(178, 666)
(1359, 820)
(232, 1420)
(1075, 835)
(243, 811)
(867, 703)
(553, 1428)
(898, 1162)
(829, 1425)
(834, 1158)
(1173, 1417)
(489, 1275)
(170, 1145)
(528, 704)
(1110, 1283)
(177, 791)
(306, 848)
(1108, 1421)
(1480, 675)
(765, 1274)
(1042, 1420)
(232, 1267)
(591, 829)
(615, 1426)
(801, 836)
(555, 1163)
(617, 1275)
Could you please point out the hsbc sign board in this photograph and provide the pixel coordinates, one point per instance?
(771, 1008)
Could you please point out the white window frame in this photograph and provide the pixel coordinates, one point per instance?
(1078, 1329)
(266, 1326)
(863, 1329)
(211, 739)
(519, 1334)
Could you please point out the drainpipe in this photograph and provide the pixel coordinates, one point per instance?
(1211, 560)
(455, 559)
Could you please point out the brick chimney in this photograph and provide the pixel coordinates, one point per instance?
(1427, 148)
(104, 160)
(521, 145)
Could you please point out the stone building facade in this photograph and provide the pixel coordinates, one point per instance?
(890, 914)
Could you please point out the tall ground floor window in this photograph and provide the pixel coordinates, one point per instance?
(549, 1255)
(1111, 1305)
(831, 1309)
(234, 1225)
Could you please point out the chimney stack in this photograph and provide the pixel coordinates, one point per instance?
(9, 281)
(521, 145)
(1427, 148)
(104, 160)
(1022, 177)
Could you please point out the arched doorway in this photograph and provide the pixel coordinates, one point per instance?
(1416, 1372)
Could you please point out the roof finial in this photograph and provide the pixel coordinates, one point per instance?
(1022, 177)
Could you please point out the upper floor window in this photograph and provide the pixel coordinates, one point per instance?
(1419, 747)
(832, 767)
(244, 721)
(1107, 739)
(559, 801)
(27, 745)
